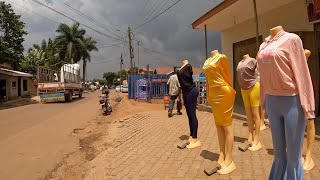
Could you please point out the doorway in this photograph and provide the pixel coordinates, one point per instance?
(241, 48)
(316, 62)
(3, 89)
(19, 86)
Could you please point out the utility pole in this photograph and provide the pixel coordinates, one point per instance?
(130, 47)
(206, 40)
(138, 57)
(257, 23)
(148, 85)
(121, 63)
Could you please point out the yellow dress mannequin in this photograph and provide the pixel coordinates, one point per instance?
(221, 96)
(220, 93)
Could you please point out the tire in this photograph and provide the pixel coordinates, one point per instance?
(68, 97)
(80, 95)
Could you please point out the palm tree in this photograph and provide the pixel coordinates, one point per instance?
(89, 45)
(70, 42)
(49, 53)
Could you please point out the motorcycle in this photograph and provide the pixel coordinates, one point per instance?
(105, 104)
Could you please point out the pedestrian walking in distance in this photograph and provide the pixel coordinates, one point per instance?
(174, 93)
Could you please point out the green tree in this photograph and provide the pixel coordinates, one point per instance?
(33, 59)
(123, 74)
(89, 45)
(70, 42)
(11, 36)
(51, 58)
(111, 78)
(133, 70)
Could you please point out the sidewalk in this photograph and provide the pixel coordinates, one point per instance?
(146, 149)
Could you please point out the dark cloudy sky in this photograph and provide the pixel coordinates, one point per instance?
(170, 35)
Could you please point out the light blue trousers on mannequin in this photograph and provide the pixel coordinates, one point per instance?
(288, 124)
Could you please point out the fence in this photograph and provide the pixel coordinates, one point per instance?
(68, 73)
(46, 75)
(200, 82)
(157, 86)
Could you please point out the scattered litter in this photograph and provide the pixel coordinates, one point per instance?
(77, 130)
(118, 99)
(120, 126)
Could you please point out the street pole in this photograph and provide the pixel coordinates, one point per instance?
(257, 24)
(149, 84)
(138, 57)
(130, 48)
(121, 63)
(206, 40)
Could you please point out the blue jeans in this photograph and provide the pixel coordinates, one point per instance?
(288, 124)
(171, 103)
(190, 102)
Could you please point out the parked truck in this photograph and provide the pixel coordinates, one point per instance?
(57, 86)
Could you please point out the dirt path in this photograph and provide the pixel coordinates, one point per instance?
(98, 136)
(34, 138)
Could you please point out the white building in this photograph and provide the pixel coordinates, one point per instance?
(235, 19)
(14, 84)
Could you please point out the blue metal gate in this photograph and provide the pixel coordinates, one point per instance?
(157, 86)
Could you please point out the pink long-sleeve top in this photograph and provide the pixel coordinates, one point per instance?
(284, 70)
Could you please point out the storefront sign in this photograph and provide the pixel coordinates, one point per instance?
(313, 10)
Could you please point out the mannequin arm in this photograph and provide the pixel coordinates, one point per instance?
(262, 97)
(302, 76)
(226, 70)
(207, 89)
(257, 73)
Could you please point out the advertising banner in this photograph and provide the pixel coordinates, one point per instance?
(313, 10)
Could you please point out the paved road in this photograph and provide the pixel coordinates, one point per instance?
(147, 149)
(34, 138)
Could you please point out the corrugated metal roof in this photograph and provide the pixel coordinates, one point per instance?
(14, 73)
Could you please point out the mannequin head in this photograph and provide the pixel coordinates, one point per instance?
(215, 52)
(307, 53)
(184, 62)
(246, 56)
(274, 31)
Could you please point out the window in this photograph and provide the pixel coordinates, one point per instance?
(25, 85)
(14, 84)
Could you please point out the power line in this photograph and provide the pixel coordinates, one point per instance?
(59, 23)
(150, 10)
(111, 60)
(90, 19)
(155, 9)
(162, 6)
(157, 15)
(34, 12)
(106, 35)
(154, 51)
(145, 5)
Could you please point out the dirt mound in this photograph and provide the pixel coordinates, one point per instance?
(100, 135)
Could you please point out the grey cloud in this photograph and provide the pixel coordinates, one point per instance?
(171, 33)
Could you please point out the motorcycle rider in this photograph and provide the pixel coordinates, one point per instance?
(105, 90)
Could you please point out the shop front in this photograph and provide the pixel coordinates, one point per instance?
(236, 21)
